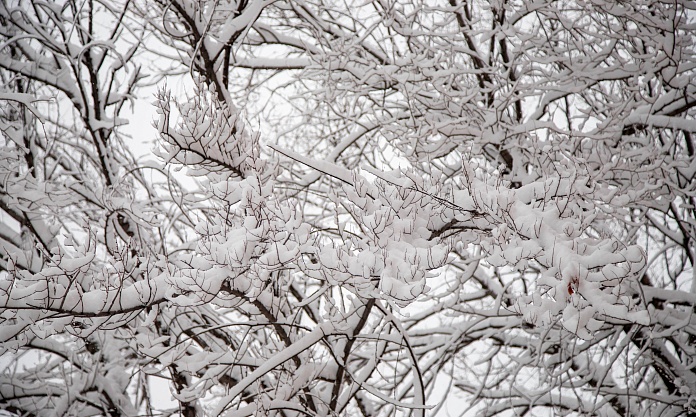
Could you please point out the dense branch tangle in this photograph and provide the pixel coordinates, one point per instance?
(393, 198)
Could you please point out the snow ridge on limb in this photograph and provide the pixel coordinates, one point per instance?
(394, 246)
(588, 280)
(253, 241)
(211, 135)
(584, 281)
